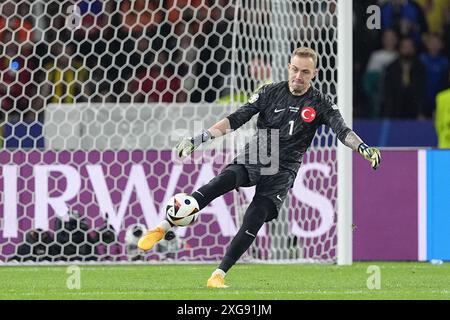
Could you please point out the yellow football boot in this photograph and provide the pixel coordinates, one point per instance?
(216, 281)
(147, 241)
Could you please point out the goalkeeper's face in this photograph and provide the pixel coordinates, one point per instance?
(302, 71)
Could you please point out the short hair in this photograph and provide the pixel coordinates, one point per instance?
(306, 52)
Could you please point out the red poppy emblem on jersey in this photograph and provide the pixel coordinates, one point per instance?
(308, 114)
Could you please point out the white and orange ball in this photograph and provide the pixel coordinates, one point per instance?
(182, 209)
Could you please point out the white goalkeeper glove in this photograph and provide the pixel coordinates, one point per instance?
(371, 154)
(186, 146)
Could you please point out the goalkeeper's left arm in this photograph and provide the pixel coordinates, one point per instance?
(371, 154)
(332, 117)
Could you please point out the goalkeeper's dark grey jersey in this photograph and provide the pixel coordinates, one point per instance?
(296, 118)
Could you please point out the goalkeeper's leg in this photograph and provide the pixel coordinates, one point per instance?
(231, 178)
(257, 213)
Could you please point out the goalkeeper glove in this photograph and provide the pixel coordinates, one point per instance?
(186, 146)
(370, 154)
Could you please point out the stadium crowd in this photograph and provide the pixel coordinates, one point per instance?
(120, 52)
(400, 69)
(142, 51)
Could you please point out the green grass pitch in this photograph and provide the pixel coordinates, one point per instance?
(408, 280)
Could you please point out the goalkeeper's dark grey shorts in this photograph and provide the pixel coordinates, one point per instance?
(274, 187)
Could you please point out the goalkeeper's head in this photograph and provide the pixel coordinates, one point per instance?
(302, 70)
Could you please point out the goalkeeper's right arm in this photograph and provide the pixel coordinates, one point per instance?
(235, 120)
(186, 146)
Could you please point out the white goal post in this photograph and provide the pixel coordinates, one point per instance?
(345, 101)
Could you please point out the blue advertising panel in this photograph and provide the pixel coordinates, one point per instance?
(438, 204)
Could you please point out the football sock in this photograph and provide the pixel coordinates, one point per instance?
(254, 218)
(165, 225)
(219, 272)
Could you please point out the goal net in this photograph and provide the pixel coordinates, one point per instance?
(94, 95)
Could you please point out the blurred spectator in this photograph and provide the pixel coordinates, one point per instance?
(157, 84)
(20, 102)
(442, 119)
(186, 10)
(377, 64)
(259, 74)
(100, 92)
(140, 16)
(406, 17)
(92, 18)
(366, 42)
(21, 27)
(184, 41)
(260, 71)
(141, 34)
(446, 34)
(435, 13)
(94, 27)
(199, 38)
(95, 42)
(15, 76)
(65, 76)
(436, 70)
(404, 85)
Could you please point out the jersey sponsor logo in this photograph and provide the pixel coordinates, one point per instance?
(294, 109)
(254, 98)
(279, 110)
(308, 114)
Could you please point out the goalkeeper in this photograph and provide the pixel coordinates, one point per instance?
(295, 110)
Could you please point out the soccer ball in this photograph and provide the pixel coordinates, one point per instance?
(132, 236)
(182, 209)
